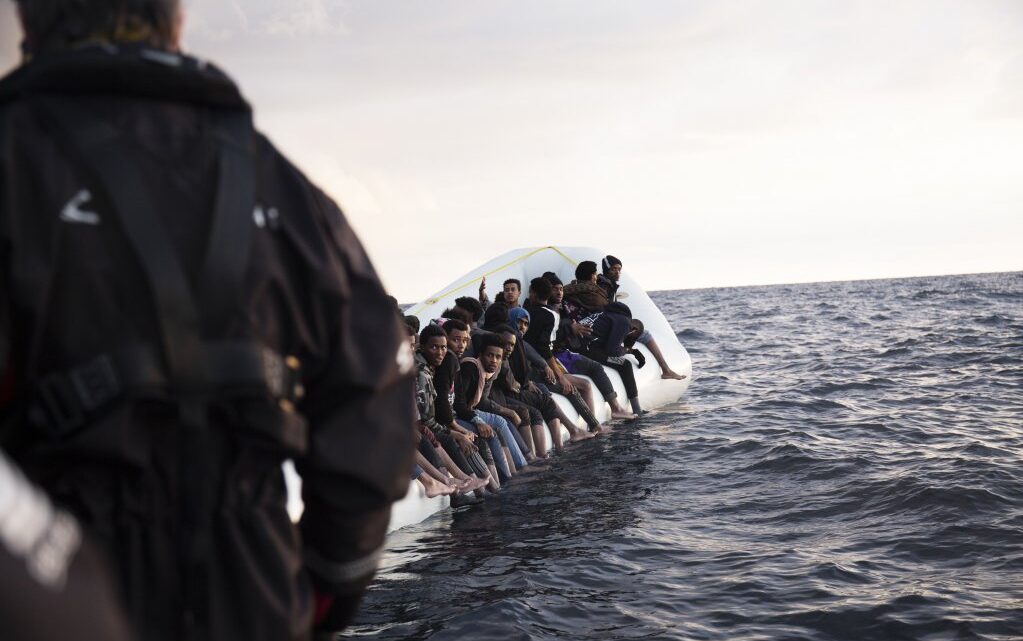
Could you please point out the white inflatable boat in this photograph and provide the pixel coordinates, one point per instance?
(526, 264)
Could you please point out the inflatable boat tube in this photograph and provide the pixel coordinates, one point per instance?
(526, 264)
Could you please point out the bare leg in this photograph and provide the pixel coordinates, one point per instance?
(574, 433)
(526, 432)
(442, 475)
(494, 484)
(554, 427)
(585, 390)
(508, 457)
(539, 441)
(666, 371)
(617, 411)
(450, 466)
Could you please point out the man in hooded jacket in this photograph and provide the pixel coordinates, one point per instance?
(181, 310)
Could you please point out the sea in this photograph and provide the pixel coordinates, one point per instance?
(847, 464)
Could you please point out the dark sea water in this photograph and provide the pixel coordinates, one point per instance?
(848, 464)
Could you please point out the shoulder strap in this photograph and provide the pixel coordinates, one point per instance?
(109, 159)
(230, 240)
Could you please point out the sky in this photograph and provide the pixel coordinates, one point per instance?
(705, 143)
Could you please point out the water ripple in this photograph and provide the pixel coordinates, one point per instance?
(847, 465)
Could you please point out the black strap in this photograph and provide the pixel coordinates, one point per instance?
(230, 239)
(102, 151)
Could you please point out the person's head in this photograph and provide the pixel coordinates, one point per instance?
(52, 25)
(540, 289)
(612, 267)
(470, 305)
(491, 352)
(433, 345)
(458, 336)
(496, 314)
(519, 318)
(510, 339)
(636, 329)
(512, 290)
(412, 321)
(457, 313)
(557, 288)
(413, 337)
(586, 271)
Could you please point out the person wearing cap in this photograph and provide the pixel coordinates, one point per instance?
(607, 281)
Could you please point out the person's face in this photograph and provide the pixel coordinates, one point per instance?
(615, 272)
(511, 293)
(435, 349)
(458, 341)
(413, 342)
(509, 343)
(593, 277)
(491, 359)
(523, 324)
(557, 294)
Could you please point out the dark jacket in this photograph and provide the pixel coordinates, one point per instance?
(610, 329)
(450, 386)
(586, 295)
(543, 325)
(608, 286)
(72, 290)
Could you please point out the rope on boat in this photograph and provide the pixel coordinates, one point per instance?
(435, 299)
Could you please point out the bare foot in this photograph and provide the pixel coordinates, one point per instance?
(672, 375)
(470, 484)
(579, 435)
(623, 415)
(434, 490)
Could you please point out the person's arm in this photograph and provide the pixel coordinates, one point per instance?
(443, 380)
(532, 356)
(359, 406)
(484, 299)
(463, 383)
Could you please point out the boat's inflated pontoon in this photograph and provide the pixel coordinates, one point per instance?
(524, 265)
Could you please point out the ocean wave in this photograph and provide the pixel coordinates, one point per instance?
(819, 481)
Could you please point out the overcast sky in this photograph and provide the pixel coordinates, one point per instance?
(703, 143)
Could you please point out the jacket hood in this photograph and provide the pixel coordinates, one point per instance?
(124, 70)
(516, 313)
(619, 308)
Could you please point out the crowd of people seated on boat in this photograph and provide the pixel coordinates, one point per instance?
(487, 372)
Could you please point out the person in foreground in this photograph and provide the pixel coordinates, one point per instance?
(181, 310)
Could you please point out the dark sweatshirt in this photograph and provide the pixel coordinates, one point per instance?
(610, 329)
(450, 392)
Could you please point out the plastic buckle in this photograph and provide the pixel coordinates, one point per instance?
(95, 383)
